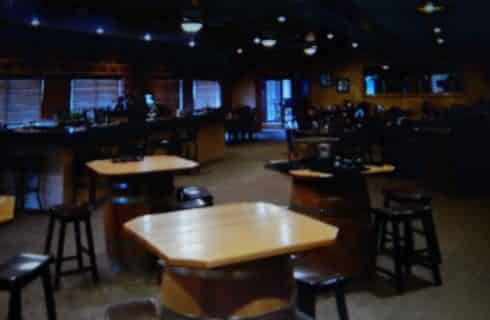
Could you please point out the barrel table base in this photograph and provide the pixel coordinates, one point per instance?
(259, 290)
(342, 201)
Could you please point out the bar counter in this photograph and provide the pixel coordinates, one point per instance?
(58, 152)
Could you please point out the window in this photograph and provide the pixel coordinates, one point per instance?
(206, 94)
(168, 93)
(94, 93)
(21, 100)
(393, 80)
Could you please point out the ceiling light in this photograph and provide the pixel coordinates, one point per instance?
(310, 37)
(35, 22)
(355, 45)
(310, 51)
(191, 26)
(429, 7)
(269, 43)
(440, 40)
(385, 67)
(330, 36)
(282, 19)
(437, 30)
(147, 37)
(192, 43)
(99, 30)
(257, 40)
(239, 50)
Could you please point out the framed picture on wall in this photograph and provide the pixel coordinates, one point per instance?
(326, 80)
(343, 85)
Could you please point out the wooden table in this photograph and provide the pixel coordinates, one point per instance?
(342, 201)
(229, 261)
(136, 188)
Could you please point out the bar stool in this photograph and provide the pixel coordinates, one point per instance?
(65, 216)
(138, 309)
(310, 284)
(406, 197)
(18, 272)
(26, 166)
(190, 193)
(403, 252)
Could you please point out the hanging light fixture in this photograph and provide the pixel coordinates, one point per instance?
(311, 50)
(191, 26)
(191, 22)
(257, 40)
(35, 22)
(430, 7)
(268, 40)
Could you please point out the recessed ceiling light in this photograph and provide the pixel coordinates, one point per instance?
(440, 40)
(99, 30)
(437, 30)
(147, 37)
(257, 40)
(35, 22)
(330, 36)
(269, 43)
(311, 51)
(385, 67)
(355, 45)
(192, 43)
(239, 50)
(282, 19)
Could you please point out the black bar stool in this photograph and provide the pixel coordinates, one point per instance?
(18, 272)
(190, 193)
(65, 216)
(310, 284)
(405, 197)
(403, 251)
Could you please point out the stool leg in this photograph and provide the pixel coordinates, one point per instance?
(378, 232)
(384, 238)
(49, 295)
(398, 257)
(409, 246)
(91, 249)
(78, 241)
(306, 299)
(340, 300)
(38, 191)
(59, 255)
(15, 305)
(433, 247)
(49, 236)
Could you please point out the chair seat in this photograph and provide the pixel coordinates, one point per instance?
(141, 310)
(194, 193)
(314, 278)
(408, 195)
(21, 269)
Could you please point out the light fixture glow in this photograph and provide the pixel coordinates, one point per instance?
(330, 36)
(355, 45)
(429, 7)
(191, 26)
(35, 22)
(310, 51)
(257, 40)
(440, 41)
(147, 37)
(269, 43)
(437, 30)
(310, 37)
(239, 50)
(99, 30)
(282, 19)
(385, 67)
(192, 43)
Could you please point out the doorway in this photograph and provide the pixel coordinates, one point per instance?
(278, 94)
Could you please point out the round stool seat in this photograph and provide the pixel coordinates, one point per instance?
(71, 212)
(193, 193)
(407, 195)
(22, 269)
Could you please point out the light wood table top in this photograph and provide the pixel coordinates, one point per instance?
(161, 163)
(371, 169)
(229, 234)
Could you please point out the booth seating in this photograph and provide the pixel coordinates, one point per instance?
(18, 272)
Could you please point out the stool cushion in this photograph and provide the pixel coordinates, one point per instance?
(402, 212)
(193, 193)
(71, 212)
(141, 310)
(407, 195)
(21, 269)
(319, 280)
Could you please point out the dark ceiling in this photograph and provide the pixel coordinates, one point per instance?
(377, 25)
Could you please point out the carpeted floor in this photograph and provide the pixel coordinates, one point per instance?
(462, 221)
